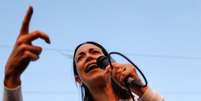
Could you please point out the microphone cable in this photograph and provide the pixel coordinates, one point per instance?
(137, 82)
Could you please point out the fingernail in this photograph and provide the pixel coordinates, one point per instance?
(48, 41)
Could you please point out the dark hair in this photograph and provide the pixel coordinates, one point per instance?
(86, 95)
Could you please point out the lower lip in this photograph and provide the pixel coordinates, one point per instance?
(93, 70)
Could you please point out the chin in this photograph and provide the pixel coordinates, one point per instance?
(98, 78)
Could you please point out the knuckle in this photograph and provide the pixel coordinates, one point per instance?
(22, 47)
(26, 54)
(35, 58)
(25, 22)
(37, 32)
(19, 42)
(34, 33)
(40, 49)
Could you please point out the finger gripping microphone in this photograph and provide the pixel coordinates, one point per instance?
(103, 61)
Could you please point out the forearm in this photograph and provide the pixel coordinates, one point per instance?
(12, 94)
(12, 89)
(150, 95)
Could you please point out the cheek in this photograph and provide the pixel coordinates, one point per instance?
(79, 69)
(81, 75)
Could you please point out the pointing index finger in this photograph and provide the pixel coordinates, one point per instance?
(26, 21)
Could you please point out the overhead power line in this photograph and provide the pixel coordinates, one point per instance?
(69, 54)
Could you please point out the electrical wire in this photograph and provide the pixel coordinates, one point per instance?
(67, 53)
(126, 83)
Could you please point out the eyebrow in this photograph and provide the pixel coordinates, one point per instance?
(90, 49)
(81, 53)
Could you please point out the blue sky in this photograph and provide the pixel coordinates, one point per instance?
(161, 36)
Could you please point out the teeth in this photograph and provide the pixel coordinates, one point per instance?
(90, 67)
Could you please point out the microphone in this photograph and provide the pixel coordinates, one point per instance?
(103, 61)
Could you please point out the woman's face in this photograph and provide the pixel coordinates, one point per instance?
(85, 60)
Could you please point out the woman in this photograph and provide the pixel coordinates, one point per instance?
(99, 84)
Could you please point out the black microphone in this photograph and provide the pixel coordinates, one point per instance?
(103, 61)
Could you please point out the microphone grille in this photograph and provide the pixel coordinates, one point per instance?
(102, 61)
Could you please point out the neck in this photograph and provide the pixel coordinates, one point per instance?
(104, 93)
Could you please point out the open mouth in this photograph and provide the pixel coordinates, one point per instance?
(91, 67)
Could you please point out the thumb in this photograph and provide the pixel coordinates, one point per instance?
(108, 69)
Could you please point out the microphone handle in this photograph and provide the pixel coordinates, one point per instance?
(133, 83)
(103, 61)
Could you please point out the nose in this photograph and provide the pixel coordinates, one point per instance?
(89, 57)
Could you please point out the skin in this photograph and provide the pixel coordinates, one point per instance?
(98, 80)
(23, 52)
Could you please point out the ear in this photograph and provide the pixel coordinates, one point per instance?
(77, 79)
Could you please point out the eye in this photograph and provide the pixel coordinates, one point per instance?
(95, 51)
(79, 58)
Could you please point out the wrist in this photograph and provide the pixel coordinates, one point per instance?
(140, 91)
(12, 81)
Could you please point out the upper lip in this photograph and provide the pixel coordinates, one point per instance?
(90, 66)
